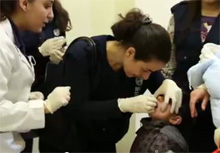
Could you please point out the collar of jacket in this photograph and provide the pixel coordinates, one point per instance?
(148, 123)
(17, 36)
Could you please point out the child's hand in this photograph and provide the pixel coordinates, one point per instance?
(198, 94)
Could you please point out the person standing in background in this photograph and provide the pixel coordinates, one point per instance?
(193, 24)
(21, 110)
(49, 45)
(108, 90)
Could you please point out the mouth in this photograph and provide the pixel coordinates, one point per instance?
(44, 24)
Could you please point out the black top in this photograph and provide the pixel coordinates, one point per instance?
(93, 112)
(34, 40)
(188, 42)
(18, 38)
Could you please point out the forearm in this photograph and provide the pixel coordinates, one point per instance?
(99, 110)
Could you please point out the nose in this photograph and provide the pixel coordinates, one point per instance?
(50, 14)
(145, 75)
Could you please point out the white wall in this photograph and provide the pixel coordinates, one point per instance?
(94, 17)
(159, 10)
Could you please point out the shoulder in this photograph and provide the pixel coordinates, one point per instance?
(181, 5)
(8, 51)
(174, 135)
(81, 48)
(7, 47)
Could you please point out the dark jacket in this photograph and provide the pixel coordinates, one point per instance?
(34, 40)
(94, 120)
(188, 43)
(158, 136)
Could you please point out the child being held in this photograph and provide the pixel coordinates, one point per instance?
(158, 133)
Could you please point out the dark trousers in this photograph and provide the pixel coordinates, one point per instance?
(91, 148)
(28, 146)
(45, 148)
(101, 147)
(28, 138)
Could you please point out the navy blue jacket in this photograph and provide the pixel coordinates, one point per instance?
(187, 39)
(94, 120)
(34, 40)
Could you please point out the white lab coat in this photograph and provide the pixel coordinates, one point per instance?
(17, 114)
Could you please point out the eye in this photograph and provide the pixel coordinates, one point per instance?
(47, 6)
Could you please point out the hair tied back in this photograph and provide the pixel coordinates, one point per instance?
(146, 20)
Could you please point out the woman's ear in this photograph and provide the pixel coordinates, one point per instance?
(175, 120)
(130, 52)
(23, 4)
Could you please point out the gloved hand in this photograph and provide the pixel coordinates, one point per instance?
(170, 91)
(138, 104)
(59, 97)
(36, 96)
(52, 45)
(217, 137)
(57, 55)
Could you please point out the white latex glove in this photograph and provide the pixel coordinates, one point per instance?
(36, 96)
(170, 91)
(217, 137)
(59, 97)
(57, 55)
(52, 45)
(138, 104)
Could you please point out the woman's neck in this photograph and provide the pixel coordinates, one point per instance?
(210, 9)
(17, 21)
(115, 54)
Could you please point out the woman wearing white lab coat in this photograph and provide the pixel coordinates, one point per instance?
(21, 110)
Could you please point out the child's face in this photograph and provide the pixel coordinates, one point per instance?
(158, 114)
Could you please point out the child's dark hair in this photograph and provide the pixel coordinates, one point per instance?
(150, 40)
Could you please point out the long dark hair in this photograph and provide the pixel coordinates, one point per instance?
(150, 40)
(8, 7)
(195, 10)
(61, 17)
